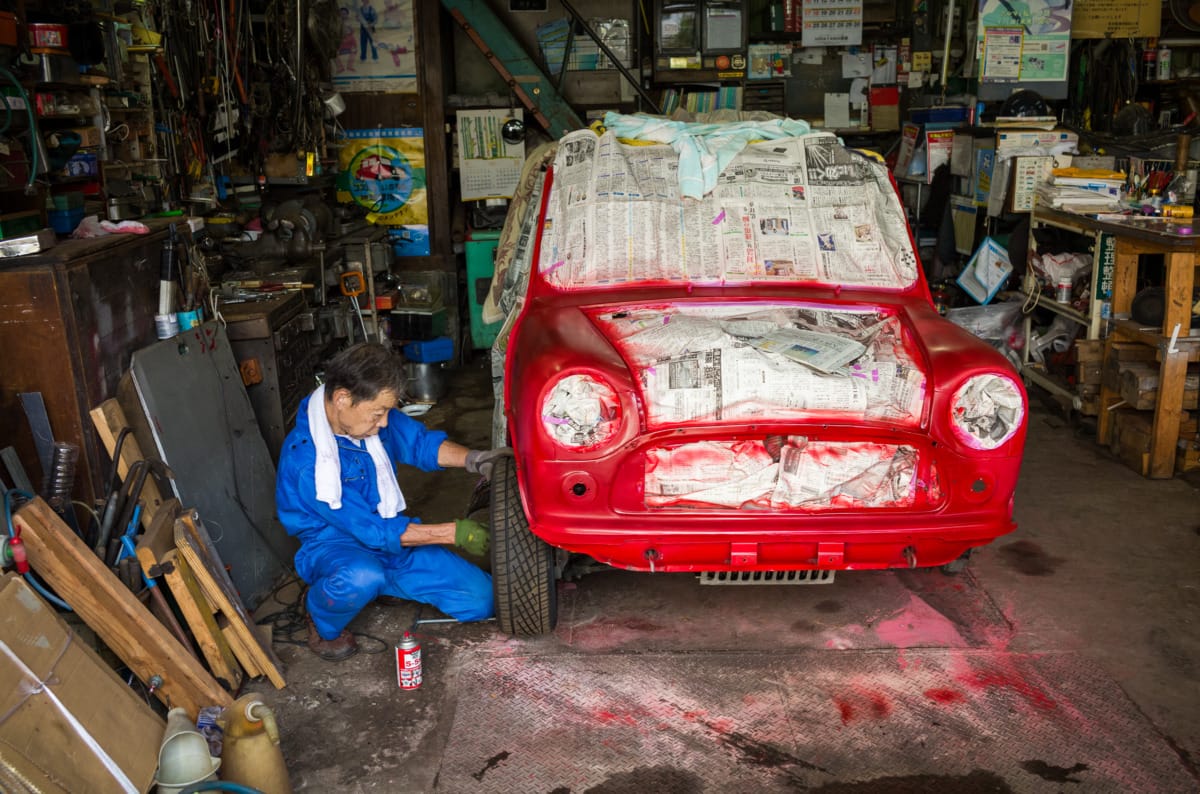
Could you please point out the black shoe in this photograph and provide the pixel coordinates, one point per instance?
(334, 650)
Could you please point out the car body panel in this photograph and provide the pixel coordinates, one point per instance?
(591, 498)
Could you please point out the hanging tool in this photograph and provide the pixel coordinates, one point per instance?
(352, 284)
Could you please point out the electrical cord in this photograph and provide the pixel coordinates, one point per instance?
(292, 619)
(12, 533)
(33, 128)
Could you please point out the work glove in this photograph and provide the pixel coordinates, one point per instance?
(471, 536)
(480, 461)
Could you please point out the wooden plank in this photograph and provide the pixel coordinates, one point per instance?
(1139, 386)
(1180, 279)
(158, 539)
(237, 641)
(158, 557)
(114, 613)
(1168, 415)
(109, 418)
(192, 540)
(201, 621)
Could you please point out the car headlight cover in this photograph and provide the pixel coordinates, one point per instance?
(987, 410)
(581, 411)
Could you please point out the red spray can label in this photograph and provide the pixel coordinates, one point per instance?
(408, 662)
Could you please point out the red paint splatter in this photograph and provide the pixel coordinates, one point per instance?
(721, 725)
(880, 707)
(607, 717)
(945, 695)
(999, 681)
(863, 704)
(846, 709)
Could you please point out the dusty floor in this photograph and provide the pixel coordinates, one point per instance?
(1066, 658)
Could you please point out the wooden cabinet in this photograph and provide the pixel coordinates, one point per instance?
(69, 319)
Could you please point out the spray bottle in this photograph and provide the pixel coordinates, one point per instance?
(250, 754)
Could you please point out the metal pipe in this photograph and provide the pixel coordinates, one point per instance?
(946, 47)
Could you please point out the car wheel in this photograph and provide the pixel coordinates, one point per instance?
(522, 563)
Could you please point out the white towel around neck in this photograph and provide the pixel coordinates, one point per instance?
(328, 469)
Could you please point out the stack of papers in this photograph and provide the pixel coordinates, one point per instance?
(1082, 190)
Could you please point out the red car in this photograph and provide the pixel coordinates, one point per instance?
(749, 384)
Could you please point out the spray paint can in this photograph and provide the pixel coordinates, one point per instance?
(1164, 63)
(408, 662)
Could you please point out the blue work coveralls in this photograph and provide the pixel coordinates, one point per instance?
(351, 555)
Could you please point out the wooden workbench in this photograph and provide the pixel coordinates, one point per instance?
(70, 317)
(1175, 343)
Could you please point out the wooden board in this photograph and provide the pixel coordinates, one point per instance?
(109, 418)
(158, 556)
(192, 540)
(114, 613)
(1139, 386)
(203, 623)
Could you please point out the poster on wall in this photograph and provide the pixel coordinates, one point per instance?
(1116, 19)
(1024, 40)
(383, 171)
(378, 47)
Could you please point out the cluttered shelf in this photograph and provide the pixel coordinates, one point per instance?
(69, 249)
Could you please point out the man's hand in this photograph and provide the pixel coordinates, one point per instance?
(471, 536)
(480, 461)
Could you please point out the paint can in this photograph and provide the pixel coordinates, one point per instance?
(166, 325)
(188, 320)
(408, 662)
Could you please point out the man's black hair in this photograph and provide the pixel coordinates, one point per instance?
(365, 370)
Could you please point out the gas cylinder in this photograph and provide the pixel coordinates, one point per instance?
(251, 755)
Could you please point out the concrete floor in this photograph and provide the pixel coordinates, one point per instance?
(1101, 575)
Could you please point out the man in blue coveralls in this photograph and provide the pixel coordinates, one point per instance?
(336, 491)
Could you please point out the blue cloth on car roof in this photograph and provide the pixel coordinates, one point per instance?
(704, 149)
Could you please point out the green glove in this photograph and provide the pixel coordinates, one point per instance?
(471, 536)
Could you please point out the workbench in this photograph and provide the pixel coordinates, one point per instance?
(70, 317)
(1175, 342)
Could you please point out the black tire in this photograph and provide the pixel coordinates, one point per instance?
(522, 563)
(955, 567)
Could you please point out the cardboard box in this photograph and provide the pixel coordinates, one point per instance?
(72, 725)
(1052, 141)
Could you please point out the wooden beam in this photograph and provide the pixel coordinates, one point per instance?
(201, 620)
(431, 85)
(158, 557)
(114, 613)
(109, 419)
(193, 543)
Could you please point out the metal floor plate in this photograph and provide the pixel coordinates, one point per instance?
(961, 720)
